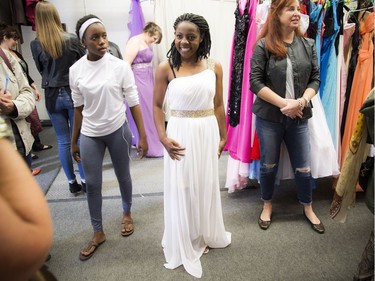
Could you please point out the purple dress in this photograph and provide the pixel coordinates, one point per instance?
(144, 79)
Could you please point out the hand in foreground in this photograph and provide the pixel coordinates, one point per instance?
(76, 152)
(222, 144)
(6, 103)
(292, 109)
(174, 149)
(142, 147)
(37, 95)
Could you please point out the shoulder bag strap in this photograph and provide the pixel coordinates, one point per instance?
(6, 60)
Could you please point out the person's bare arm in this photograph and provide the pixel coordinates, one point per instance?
(26, 227)
(175, 150)
(219, 107)
(131, 50)
(160, 88)
(36, 91)
(77, 124)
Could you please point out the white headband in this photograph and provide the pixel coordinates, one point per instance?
(86, 24)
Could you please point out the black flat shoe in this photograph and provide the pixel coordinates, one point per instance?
(75, 187)
(83, 185)
(317, 227)
(263, 224)
(41, 147)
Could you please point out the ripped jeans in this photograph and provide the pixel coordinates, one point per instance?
(295, 134)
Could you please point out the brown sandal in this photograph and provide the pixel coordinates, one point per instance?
(91, 248)
(127, 227)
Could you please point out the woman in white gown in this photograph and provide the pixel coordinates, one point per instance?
(196, 135)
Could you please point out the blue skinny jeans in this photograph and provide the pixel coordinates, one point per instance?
(62, 121)
(295, 134)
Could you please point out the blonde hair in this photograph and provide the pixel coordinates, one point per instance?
(49, 29)
(152, 29)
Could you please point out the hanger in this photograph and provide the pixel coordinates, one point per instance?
(363, 9)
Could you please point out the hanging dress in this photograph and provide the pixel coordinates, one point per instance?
(240, 134)
(348, 31)
(328, 72)
(193, 215)
(238, 55)
(362, 80)
(316, 24)
(352, 64)
(136, 24)
(345, 193)
(136, 19)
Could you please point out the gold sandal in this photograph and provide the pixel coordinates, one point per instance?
(127, 227)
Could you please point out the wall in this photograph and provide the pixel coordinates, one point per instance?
(114, 13)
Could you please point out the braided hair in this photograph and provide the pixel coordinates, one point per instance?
(204, 47)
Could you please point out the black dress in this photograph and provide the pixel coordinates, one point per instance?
(241, 31)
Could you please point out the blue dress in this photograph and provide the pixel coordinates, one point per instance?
(328, 72)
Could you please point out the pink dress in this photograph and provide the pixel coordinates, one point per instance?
(240, 136)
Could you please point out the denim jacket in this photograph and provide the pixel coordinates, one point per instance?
(267, 71)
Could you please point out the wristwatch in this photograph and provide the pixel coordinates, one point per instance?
(5, 131)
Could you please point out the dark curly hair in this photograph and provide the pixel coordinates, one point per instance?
(8, 31)
(82, 21)
(204, 47)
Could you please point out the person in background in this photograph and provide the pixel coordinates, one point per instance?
(139, 54)
(17, 101)
(192, 85)
(54, 51)
(100, 78)
(8, 40)
(114, 50)
(285, 77)
(25, 217)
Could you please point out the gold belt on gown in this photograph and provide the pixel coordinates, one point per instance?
(192, 113)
